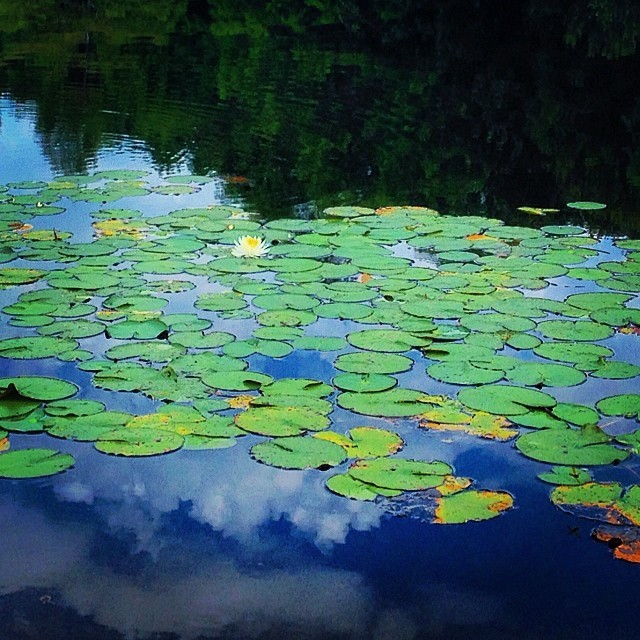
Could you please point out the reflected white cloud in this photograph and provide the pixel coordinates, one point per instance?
(226, 490)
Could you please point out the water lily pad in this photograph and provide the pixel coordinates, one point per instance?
(365, 442)
(605, 501)
(579, 330)
(577, 414)
(625, 404)
(298, 386)
(550, 375)
(392, 403)
(583, 355)
(319, 343)
(581, 447)
(73, 408)
(37, 388)
(299, 452)
(568, 476)
(346, 485)
(364, 382)
(236, 380)
(471, 506)
(251, 346)
(281, 421)
(507, 400)
(138, 329)
(399, 473)
(461, 372)
(139, 442)
(87, 428)
(77, 328)
(372, 362)
(34, 463)
(147, 351)
(200, 340)
(586, 205)
(386, 340)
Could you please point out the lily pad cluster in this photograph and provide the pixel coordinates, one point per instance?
(168, 306)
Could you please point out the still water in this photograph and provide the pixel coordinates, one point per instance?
(202, 544)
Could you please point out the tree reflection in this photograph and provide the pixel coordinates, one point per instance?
(345, 102)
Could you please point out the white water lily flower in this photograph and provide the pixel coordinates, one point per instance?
(249, 247)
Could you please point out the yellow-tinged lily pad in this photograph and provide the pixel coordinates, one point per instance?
(471, 505)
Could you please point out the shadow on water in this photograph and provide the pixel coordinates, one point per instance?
(301, 106)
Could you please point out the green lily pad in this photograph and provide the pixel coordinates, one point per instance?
(471, 506)
(365, 442)
(148, 351)
(393, 403)
(568, 476)
(73, 408)
(298, 386)
(399, 473)
(200, 340)
(579, 330)
(605, 501)
(346, 485)
(364, 382)
(38, 387)
(281, 421)
(138, 329)
(581, 447)
(78, 328)
(372, 362)
(386, 340)
(251, 346)
(625, 404)
(319, 343)
(35, 347)
(581, 354)
(461, 372)
(139, 442)
(34, 463)
(236, 380)
(85, 428)
(344, 310)
(577, 414)
(299, 452)
(508, 400)
(550, 375)
(586, 206)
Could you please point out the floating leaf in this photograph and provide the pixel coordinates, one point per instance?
(299, 452)
(365, 442)
(471, 506)
(580, 447)
(400, 473)
(34, 463)
(391, 403)
(38, 387)
(372, 362)
(625, 404)
(281, 421)
(566, 476)
(236, 380)
(586, 206)
(349, 487)
(139, 442)
(507, 400)
(364, 382)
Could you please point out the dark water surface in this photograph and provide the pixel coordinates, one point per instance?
(294, 109)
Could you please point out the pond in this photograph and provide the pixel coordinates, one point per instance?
(319, 321)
